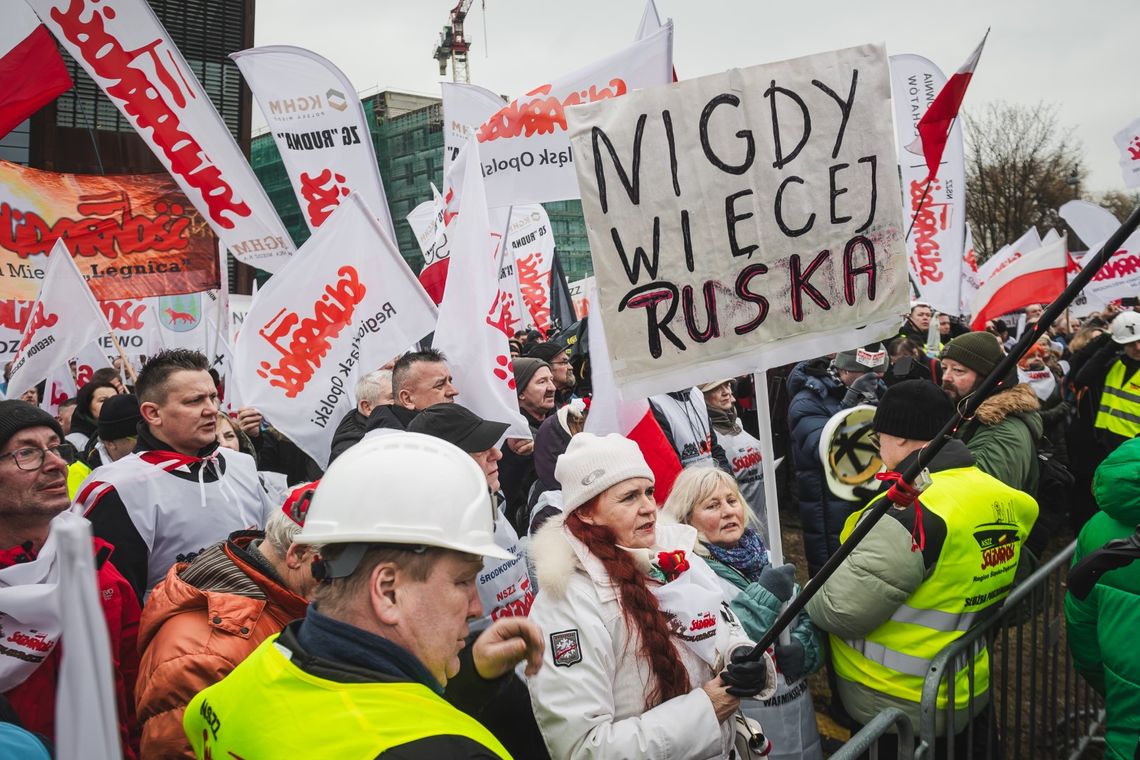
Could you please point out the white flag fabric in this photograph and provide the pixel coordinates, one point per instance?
(86, 721)
(429, 224)
(465, 107)
(525, 147)
(971, 280)
(937, 213)
(89, 359)
(59, 387)
(1090, 221)
(474, 316)
(65, 318)
(345, 305)
(1128, 141)
(319, 127)
(532, 246)
(123, 47)
(650, 21)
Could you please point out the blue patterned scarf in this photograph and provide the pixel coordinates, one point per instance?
(749, 557)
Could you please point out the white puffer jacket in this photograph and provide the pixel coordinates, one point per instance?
(589, 697)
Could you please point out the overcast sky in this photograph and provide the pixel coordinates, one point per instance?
(1080, 55)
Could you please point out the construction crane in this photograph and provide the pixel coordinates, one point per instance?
(453, 46)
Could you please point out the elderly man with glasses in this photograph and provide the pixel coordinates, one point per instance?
(33, 500)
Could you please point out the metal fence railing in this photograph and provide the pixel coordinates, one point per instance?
(866, 742)
(1036, 705)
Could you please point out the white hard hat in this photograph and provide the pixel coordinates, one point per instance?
(404, 488)
(848, 452)
(1126, 327)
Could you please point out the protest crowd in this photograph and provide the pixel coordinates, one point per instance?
(429, 517)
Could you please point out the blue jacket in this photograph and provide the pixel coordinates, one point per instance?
(816, 397)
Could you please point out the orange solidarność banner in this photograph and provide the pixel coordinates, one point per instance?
(132, 235)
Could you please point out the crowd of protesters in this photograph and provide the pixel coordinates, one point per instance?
(440, 591)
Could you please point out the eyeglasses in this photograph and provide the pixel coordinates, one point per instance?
(31, 458)
(563, 363)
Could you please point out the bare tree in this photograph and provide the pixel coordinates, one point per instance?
(1021, 166)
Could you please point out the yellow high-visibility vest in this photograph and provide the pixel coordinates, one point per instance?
(986, 525)
(1120, 403)
(268, 707)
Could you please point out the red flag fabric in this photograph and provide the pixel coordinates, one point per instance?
(934, 127)
(1037, 277)
(32, 72)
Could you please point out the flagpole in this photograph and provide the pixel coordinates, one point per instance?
(967, 408)
(929, 182)
(768, 469)
(127, 367)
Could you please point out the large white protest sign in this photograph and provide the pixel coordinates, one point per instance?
(345, 305)
(319, 127)
(475, 315)
(123, 47)
(64, 319)
(743, 220)
(937, 210)
(525, 147)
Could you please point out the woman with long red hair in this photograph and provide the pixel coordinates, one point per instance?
(641, 644)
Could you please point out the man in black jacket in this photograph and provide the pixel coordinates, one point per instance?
(372, 391)
(419, 379)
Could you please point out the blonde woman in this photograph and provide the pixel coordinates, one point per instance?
(709, 500)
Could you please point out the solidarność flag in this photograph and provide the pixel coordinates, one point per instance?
(32, 72)
(934, 127)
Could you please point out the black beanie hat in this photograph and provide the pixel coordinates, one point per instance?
(979, 351)
(913, 409)
(119, 417)
(16, 415)
(525, 367)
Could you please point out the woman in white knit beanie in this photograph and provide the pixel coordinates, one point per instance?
(637, 626)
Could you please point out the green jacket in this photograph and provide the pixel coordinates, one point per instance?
(757, 609)
(1003, 437)
(1103, 627)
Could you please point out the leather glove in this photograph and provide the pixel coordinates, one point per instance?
(790, 660)
(745, 677)
(779, 581)
(862, 391)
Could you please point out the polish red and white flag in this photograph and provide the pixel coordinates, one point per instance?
(934, 127)
(1038, 277)
(32, 72)
(632, 419)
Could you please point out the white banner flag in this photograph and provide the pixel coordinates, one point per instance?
(936, 214)
(971, 280)
(475, 315)
(123, 47)
(525, 147)
(90, 358)
(1128, 141)
(532, 246)
(65, 318)
(429, 224)
(727, 234)
(59, 386)
(345, 305)
(319, 127)
(465, 107)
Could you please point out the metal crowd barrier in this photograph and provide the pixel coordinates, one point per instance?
(866, 742)
(1037, 704)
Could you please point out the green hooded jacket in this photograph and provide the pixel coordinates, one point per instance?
(1103, 627)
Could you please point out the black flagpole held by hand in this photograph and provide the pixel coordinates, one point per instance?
(903, 491)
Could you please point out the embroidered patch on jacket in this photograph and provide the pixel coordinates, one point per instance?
(565, 648)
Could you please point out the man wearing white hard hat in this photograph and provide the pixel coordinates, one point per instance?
(1114, 372)
(397, 572)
